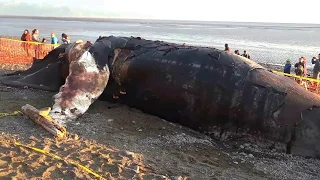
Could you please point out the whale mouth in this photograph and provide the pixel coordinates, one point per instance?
(84, 84)
(72, 71)
(48, 73)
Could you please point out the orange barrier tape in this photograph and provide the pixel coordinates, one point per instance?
(22, 52)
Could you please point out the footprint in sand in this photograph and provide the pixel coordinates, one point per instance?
(22, 163)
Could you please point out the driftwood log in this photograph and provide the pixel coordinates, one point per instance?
(42, 118)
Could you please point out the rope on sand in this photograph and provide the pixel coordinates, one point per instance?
(44, 152)
(54, 156)
(14, 113)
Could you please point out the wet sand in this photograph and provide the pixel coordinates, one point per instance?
(119, 142)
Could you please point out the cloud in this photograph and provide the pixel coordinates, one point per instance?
(43, 9)
(203, 10)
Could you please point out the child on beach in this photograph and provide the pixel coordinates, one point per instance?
(65, 38)
(287, 67)
(54, 39)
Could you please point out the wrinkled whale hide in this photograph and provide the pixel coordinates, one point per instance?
(203, 88)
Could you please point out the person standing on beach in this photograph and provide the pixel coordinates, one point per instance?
(35, 38)
(316, 68)
(299, 67)
(65, 38)
(226, 48)
(26, 36)
(245, 54)
(287, 67)
(35, 35)
(54, 39)
(305, 65)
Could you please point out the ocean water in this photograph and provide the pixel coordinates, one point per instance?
(265, 42)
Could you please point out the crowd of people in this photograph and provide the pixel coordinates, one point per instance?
(245, 52)
(34, 37)
(300, 68)
(40, 50)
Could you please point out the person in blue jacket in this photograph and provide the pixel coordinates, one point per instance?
(54, 39)
(287, 67)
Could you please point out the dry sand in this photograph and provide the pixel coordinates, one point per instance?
(119, 142)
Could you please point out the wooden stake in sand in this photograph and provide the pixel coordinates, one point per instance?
(42, 118)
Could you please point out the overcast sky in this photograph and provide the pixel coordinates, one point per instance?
(296, 11)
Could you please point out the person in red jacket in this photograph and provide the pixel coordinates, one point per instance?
(26, 36)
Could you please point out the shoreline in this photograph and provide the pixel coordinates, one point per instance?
(114, 19)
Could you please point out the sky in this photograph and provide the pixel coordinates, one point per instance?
(282, 11)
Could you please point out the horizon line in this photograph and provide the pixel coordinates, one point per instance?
(104, 19)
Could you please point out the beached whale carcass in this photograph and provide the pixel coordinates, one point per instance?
(198, 87)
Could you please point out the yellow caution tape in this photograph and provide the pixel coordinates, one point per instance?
(29, 42)
(9, 114)
(300, 77)
(54, 156)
